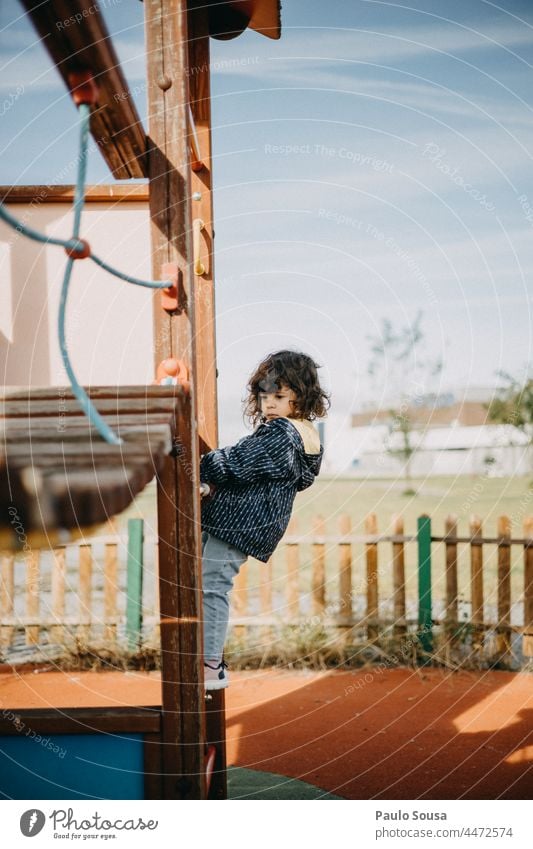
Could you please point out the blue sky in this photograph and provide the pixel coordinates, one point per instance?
(374, 162)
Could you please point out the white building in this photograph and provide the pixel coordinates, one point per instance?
(450, 439)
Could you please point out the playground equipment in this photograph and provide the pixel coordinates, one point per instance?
(56, 481)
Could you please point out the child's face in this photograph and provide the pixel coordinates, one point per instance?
(279, 403)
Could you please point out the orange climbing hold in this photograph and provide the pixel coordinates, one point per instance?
(171, 372)
(169, 296)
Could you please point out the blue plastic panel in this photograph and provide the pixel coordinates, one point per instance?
(72, 766)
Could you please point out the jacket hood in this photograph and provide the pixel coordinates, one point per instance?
(310, 453)
(309, 435)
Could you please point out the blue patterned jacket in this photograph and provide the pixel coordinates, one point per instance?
(256, 482)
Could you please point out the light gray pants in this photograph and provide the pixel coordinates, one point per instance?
(220, 564)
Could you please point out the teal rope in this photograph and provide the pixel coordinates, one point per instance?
(79, 197)
(78, 391)
(149, 284)
(79, 194)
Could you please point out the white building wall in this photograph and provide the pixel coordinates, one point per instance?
(109, 322)
(443, 451)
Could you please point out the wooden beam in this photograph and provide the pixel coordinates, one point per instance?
(76, 37)
(83, 720)
(204, 305)
(183, 723)
(105, 193)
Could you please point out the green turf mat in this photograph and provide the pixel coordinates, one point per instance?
(252, 784)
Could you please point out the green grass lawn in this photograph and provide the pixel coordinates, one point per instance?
(438, 497)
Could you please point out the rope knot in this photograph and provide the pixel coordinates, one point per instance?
(79, 250)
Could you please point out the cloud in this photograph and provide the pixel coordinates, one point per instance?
(426, 97)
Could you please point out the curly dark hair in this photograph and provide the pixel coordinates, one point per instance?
(290, 369)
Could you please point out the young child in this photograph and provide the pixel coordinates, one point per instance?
(252, 486)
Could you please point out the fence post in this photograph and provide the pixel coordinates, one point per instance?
(7, 597)
(33, 597)
(293, 569)
(344, 617)
(504, 585)
(266, 575)
(425, 621)
(527, 641)
(452, 613)
(371, 528)
(110, 591)
(318, 585)
(476, 582)
(57, 632)
(134, 583)
(398, 577)
(84, 594)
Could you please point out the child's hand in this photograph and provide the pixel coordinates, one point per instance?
(207, 490)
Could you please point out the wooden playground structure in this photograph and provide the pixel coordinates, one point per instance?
(75, 480)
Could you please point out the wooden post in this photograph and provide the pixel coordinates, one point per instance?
(134, 586)
(527, 642)
(504, 584)
(183, 721)
(344, 617)
(7, 597)
(398, 577)
(318, 581)
(371, 550)
(452, 609)
(425, 614)
(204, 293)
(476, 582)
(183, 700)
(293, 570)
(57, 632)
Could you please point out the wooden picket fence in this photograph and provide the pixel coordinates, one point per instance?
(486, 600)
(352, 582)
(51, 603)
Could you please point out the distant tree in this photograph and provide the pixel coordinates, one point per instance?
(404, 374)
(513, 405)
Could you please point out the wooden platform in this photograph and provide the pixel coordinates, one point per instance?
(57, 474)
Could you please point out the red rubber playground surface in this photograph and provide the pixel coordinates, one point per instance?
(366, 734)
(393, 734)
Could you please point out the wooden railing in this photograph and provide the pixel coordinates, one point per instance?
(368, 584)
